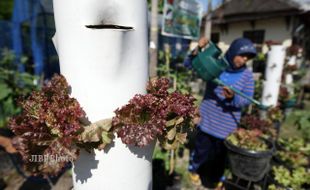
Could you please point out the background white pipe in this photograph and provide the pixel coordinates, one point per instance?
(289, 80)
(273, 75)
(105, 68)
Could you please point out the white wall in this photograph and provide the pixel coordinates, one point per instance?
(275, 30)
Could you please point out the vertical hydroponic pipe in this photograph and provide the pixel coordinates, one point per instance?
(102, 47)
(273, 75)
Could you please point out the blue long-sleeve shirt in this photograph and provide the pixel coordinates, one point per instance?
(220, 116)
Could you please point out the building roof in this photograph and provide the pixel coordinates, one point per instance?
(238, 10)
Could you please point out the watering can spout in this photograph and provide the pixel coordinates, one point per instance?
(264, 107)
(259, 104)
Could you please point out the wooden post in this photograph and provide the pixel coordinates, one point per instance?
(154, 39)
(208, 25)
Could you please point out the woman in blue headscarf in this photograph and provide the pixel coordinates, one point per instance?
(220, 112)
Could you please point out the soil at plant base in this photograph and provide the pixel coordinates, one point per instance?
(179, 180)
(14, 181)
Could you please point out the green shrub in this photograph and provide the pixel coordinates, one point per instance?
(13, 85)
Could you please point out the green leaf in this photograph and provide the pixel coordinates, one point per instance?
(106, 137)
(105, 124)
(98, 132)
(170, 146)
(171, 122)
(179, 120)
(9, 107)
(171, 133)
(181, 137)
(4, 91)
(90, 134)
(55, 131)
(175, 121)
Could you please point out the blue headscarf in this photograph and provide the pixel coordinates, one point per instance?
(239, 46)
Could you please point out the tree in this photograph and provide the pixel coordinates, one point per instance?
(6, 9)
(160, 5)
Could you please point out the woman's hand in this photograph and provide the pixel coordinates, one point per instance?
(197, 117)
(203, 42)
(228, 93)
(6, 143)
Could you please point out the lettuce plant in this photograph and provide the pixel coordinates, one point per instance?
(13, 84)
(248, 139)
(294, 152)
(48, 127)
(52, 126)
(294, 179)
(251, 122)
(158, 114)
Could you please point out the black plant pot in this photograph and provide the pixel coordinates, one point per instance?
(6, 132)
(249, 165)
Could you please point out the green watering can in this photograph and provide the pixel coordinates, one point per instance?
(209, 65)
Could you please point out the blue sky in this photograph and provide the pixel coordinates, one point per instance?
(205, 3)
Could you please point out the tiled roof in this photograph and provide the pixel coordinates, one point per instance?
(236, 10)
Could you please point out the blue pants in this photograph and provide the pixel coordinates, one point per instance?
(208, 158)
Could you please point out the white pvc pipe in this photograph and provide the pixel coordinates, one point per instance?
(105, 68)
(273, 75)
(289, 76)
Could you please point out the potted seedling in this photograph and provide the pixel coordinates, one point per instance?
(250, 150)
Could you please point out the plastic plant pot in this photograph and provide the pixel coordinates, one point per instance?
(249, 165)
